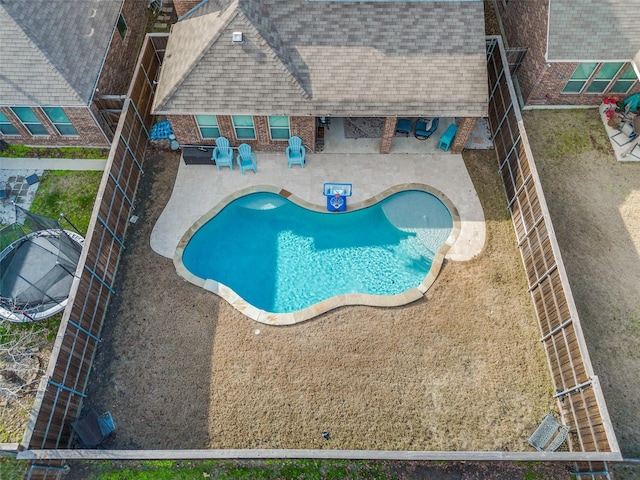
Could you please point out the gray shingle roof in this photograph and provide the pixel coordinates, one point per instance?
(52, 50)
(327, 58)
(597, 30)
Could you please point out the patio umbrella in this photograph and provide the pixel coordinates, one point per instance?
(633, 101)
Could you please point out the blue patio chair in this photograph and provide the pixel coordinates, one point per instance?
(223, 153)
(246, 158)
(295, 152)
(403, 126)
(447, 137)
(425, 128)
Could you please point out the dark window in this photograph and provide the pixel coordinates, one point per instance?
(30, 120)
(122, 26)
(6, 127)
(60, 121)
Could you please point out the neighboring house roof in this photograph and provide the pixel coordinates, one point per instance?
(53, 50)
(327, 58)
(596, 30)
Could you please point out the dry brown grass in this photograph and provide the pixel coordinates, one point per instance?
(595, 203)
(459, 370)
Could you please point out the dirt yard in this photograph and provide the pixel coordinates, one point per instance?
(595, 206)
(459, 370)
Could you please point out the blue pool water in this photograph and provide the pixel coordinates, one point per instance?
(281, 257)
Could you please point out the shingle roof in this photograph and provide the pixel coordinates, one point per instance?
(52, 50)
(327, 58)
(597, 30)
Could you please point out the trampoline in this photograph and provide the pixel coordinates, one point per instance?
(38, 261)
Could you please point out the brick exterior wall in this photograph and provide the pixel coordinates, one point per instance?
(121, 59)
(548, 90)
(305, 128)
(465, 127)
(525, 25)
(388, 131)
(186, 131)
(89, 134)
(183, 6)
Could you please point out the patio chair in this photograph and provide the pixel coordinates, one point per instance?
(403, 126)
(549, 435)
(246, 158)
(223, 153)
(447, 137)
(295, 152)
(92, 429)
(425, 128)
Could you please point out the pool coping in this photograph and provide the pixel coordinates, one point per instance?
(332, 303)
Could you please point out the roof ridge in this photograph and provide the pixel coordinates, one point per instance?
(293, 79)
(203, 47)
(45, 61)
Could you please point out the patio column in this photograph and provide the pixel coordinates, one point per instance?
(388, 131)
(465, 127)
(305, 128)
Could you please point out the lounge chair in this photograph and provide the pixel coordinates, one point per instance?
(92, 429)
(549, 435)
(295, 152)
(403, 126)
(223, 154)
(246, 158)
(425, 128)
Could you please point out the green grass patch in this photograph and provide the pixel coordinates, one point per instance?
(11, 469)
(47, 327)
(70, 192)
(22, 151)
(246, 469)
(565, 134)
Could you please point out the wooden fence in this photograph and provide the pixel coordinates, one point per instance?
(63, 388)
(578, 393)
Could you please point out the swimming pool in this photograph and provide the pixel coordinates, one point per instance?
(270, 255)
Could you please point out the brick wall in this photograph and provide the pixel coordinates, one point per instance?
(183, 6)
(123, 53)
(187, 132)
(525, 25)
(185, 129)
(388, 131)
(552, 81)
(465, 127)
(89, 133)
(305, 128)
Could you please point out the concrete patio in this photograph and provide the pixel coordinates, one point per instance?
(199, 188)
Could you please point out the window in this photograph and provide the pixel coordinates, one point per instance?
(279, 128)
(29, 120)
(60, 120)
(602, 79)
(580, 77)
(6, 127)
(208, 125)
(243, 125)
(122, 26)
(592, 77)
(625, 81)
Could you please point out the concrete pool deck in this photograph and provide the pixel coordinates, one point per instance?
(199, 188)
